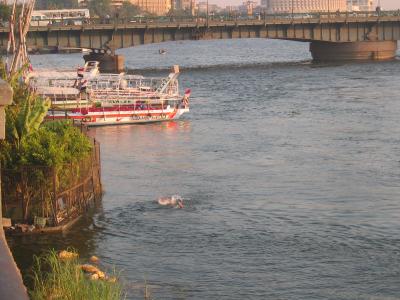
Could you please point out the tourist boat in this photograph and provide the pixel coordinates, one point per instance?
(139, 111)
(108, 99)
(62, 87)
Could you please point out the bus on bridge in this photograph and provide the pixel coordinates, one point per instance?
(59, 16)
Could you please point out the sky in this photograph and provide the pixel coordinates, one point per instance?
(386, 4)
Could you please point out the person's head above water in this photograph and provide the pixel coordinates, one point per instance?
(175, 200)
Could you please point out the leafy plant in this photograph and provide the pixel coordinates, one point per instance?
(129, 10)
(29, 141)
(5, 11)
(26, 118)
(34, 153)
(100, 8)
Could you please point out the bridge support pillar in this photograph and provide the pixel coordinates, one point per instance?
(371, 50)
(107, 62)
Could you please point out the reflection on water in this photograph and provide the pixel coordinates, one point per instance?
(290, 170)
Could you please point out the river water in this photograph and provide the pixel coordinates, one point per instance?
(290, 171)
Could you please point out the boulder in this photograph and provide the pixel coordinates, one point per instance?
(87, 268)
(64, 254)
(94, 259)
(101, 275)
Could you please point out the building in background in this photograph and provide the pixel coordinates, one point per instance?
(156, 7)
(185, 5)
(117, 3)
(114, 3)
(212, 8)
(201, 7)
(303, 6)
(231, 9)
(360, 5)
(248, 7)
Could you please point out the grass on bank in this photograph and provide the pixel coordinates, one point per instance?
(56, 279)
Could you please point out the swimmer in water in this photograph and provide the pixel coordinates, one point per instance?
(175, 201)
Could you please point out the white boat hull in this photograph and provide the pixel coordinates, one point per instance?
(97, 118)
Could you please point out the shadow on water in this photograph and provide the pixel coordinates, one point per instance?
(226, 66)
(80, 237)
(84, 235)
(262, 65)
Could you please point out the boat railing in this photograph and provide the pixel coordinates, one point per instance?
(141, 103)
(123, 82)
(52, 82)
(104, 95)
(137, 85)
(109, 86)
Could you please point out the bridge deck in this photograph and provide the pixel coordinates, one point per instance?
(122, 33)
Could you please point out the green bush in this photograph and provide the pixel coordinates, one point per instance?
(36, 154)
(29, 141)
(54, 144)
(47, 146)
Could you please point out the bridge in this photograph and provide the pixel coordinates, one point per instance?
(332, 36)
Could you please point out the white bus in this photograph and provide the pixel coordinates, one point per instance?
(47, 17)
